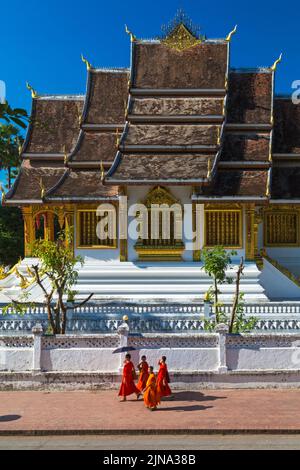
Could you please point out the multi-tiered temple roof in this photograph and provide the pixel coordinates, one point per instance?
(179, 116)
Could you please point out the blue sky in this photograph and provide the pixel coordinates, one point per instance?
(41, 42)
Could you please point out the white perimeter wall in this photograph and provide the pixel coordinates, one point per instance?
(185, 352)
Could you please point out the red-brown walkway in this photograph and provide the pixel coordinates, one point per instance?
(100, 411)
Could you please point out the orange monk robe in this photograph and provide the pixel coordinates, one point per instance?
(151, 395)
(128, 386)
(143, 377)
(162, 383)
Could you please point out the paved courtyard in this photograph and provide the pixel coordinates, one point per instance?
(81, 412)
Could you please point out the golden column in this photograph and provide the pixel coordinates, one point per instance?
(123, 223)
(29, 229)
(69, 222)
(251, 232)
(196, 230)
(49, 226)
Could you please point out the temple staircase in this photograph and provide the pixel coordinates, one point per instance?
(127, 281)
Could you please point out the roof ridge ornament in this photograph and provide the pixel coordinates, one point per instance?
(232, 32)
(43, 189)
(181, 33)
(277, 61)
(102, 175)
(66, 156)
(32, 90)
(208, 169)
(87, 63)
(132, 36)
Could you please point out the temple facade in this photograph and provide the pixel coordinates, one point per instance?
(179, 127)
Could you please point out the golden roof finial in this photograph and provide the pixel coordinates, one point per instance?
(66, 156)
(117, 138)
(132, 36)
(33, 92)
(274, 66)
(2, 194)
(102, 171)
(268, 185)
(208, 168)
(43, 189)
(20, 146)
(125, 108)
(87, 63)
(229, 36)
(219, 136)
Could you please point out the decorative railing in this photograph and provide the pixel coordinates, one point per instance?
(154, 317)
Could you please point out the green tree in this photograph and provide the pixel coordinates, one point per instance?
(56, 275)
(10, 141)
(11, 115)
(11, 235)
(215, 263)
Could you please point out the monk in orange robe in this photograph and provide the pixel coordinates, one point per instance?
(144, 374)
(128, 386)
(163, 379)
(151, 395)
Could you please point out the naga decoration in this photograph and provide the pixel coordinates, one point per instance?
(229, 36)
(87, 63)
(33, 92)
(277, 61)
(132, 36)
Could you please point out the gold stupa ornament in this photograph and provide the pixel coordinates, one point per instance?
(181, 34)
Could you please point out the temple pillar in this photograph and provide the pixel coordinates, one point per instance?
(29, 230)
(123, 225)
(196, 230)
(49, 226)
(69, 224)
(251, 236)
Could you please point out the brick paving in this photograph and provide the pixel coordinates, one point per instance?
(101, 411)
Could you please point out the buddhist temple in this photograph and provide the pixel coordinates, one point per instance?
(179, 126)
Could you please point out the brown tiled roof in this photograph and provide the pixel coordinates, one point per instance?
(180, 106)
(158, 66)
(107, 97)
(155, 167)
(95, 146)
(243, 147)
(171, 134)
(55, 125)
(81, 185)
(285, 183)
(249, 98)
(27, 186)
(286, 126)
(243, 183)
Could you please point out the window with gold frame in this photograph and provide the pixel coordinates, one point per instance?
(87, 236)
(224, 227)
(281, 228)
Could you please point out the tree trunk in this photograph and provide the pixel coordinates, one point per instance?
(50, 316)
(9, 177)
(216, 300)
(237, 294)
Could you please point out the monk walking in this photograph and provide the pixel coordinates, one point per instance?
(144, 374)
(128, 386)
(151, 395)
(163, 379)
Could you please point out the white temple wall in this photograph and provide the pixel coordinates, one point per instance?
(186, 353)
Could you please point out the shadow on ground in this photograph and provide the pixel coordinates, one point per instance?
(193, 396)
(183, 408)
(5, 418)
